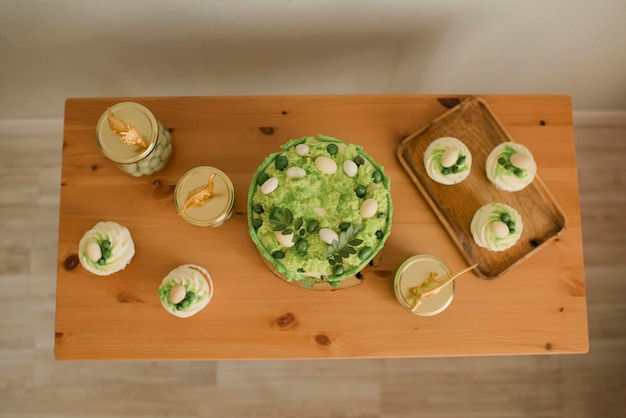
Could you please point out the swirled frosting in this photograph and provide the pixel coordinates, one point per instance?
(447, 175)
(504, 174)
(198, 290)
(116, 246)
(482, 226)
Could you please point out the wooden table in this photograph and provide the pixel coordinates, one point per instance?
(539, 307)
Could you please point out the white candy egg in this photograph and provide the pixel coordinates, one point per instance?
(350, 168)
(449, 157)
(326, 165)
(520, 161)
(93, 250)
(270, 185)
(369, 208)
(302, 149)
(499, 229)
(328, 235)
(285, 240)
(320, 211)
(177, 294)
(296, 172)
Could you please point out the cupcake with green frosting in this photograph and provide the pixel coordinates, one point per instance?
(511, 167)
(106, 248)
(319, 211)
(186, 290)
(496, 226)
(447, 160)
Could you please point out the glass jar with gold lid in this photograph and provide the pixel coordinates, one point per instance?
(412, 275)
(204, 196)
(133, 138)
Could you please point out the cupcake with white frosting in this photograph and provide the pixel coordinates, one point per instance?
(496, 227)
(511, 166)
(106, 248)
(447, 160)
(186, 290)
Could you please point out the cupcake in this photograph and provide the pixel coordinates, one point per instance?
(511, 166)
(496, 227)
(447, 160)
(186, 290)
(106, 248)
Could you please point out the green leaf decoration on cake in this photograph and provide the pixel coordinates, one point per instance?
(282, 220)
(345, 246)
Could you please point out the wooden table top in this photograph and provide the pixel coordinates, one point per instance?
(538, 307)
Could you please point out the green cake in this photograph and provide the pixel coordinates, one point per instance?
(319, 212)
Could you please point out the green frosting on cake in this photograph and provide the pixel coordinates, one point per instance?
(303, 205)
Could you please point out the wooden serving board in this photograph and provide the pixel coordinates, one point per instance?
(472, 122)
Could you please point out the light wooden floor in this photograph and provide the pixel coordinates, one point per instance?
(33, 384)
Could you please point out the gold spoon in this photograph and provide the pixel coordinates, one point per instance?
(432, 285)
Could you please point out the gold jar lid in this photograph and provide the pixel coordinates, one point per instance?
(132, 114)
(412, 273)
(217, 209)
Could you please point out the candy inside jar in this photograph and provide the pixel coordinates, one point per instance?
(130, 136)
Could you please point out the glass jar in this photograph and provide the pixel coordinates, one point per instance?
(134, 159)
(217, 209)
(412, 273)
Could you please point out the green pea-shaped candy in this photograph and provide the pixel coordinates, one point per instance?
(256, 223)
(377, 176)
(106, 243)
(359, 160)
(332, 149)
(102, 262)
(261, 178)
(302, 246)
(278, 255)
(313, 226)
(338, 269)
(360, 191)
(344, 226)
(501, 160)
(505, 217)
(281, 162)
(365, 252)
(379, 234)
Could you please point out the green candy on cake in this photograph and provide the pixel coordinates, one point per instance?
(319, 211)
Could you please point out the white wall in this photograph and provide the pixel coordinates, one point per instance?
(51, 50)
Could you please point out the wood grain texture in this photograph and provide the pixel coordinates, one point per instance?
(537, 308)
(474, 123)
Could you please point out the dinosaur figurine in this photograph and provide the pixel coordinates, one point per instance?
(128, 133)
(200, 195)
